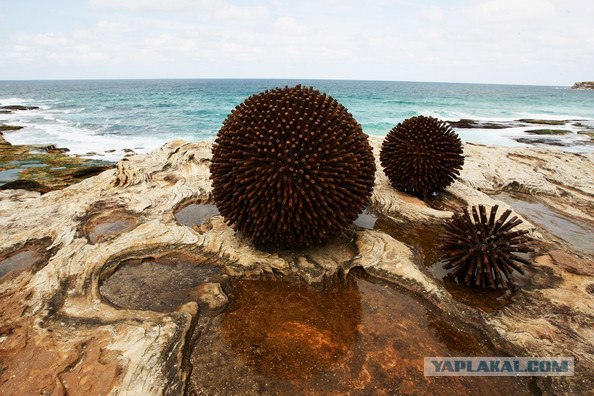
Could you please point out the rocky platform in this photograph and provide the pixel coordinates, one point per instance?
(42, 168)
(537, 132)
(104, 290)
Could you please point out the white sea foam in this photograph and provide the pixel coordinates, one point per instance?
(84, 142)
(42, 127)
(15, 101)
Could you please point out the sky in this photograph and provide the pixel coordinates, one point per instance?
(540, 42)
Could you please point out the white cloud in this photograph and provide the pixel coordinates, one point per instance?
(47, 40)
(232, 12)
(432, 13)
(513, 10)
(287, 24)
(520, 41)
(148, 5)
(218, 8)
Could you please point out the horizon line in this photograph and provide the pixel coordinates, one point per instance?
(275, 79)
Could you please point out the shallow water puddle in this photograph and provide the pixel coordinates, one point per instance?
(9, 175)
(578, 234)
(22, 259)
(12, 174)
(160, 284)
(32, 255)
(424, 240)
(446, 201)
(360, 337)
(366, 219)
(488, 300)
(194, 214)
(105, 226)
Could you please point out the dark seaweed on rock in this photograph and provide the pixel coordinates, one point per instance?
(422, 155)
(481, 250)
(291, 168)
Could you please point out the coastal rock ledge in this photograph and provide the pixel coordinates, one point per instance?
(75, 319)
(583, 85)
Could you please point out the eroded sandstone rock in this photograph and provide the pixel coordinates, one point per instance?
(86, 344)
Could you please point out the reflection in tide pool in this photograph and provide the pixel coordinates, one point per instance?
(356, 337)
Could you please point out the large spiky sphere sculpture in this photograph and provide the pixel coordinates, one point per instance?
(422, 155)
(291, 168)
(481, 250)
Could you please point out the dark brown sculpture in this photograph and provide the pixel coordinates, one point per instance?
(291, 168)
(481, 250)
(422, 155)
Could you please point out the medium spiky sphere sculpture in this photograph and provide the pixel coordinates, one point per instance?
(480, 250)
(291, 168)
(422, 155)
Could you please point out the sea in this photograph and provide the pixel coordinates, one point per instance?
(104, 119)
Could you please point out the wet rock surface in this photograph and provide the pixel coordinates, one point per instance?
(465, 123)
(40, 168)
(588, 133)
(43, 168)
(468, 123)
(123, 315)
(577, 234)
(535, 132)
(548, 132)
(18, 107)
(5, 127)
(543, 122)
(545, 142)
(572, 263)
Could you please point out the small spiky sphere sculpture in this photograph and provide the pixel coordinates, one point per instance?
(480, 250)
(291, 168)
(422, 155)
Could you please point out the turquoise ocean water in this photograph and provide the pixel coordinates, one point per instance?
(98, 116)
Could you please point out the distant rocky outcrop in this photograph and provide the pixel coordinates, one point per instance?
(5, 127)
(583, 85)
(19, 107)
(468, 123)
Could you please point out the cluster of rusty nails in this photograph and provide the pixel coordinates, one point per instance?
(421, 156)
(291, 168)
(482, 249)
